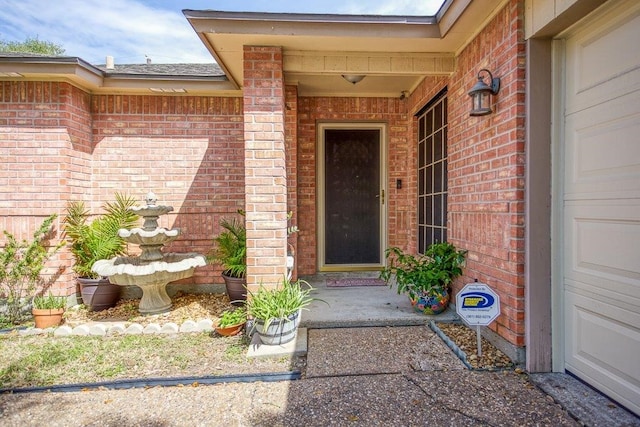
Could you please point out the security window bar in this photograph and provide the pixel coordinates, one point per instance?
(432, 173)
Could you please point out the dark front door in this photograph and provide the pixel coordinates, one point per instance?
(352, 205)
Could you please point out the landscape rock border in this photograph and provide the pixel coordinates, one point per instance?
(120, 328)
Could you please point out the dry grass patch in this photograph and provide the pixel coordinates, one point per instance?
(44, 361)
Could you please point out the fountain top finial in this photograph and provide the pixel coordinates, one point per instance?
(151, 212)
(151, 199)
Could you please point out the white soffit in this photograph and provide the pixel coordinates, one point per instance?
(394, 52)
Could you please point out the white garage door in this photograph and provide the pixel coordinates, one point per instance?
(601, 206)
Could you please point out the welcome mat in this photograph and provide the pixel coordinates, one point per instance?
(345, 283)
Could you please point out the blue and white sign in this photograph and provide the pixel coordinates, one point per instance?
(477, 304)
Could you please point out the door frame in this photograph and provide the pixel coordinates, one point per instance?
(320, 188)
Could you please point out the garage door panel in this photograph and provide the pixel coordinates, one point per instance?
(600, 201)
(602, 251)
(601, 61)
(605, 337)
(603, 153)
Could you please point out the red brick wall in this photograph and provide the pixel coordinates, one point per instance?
(188, 150)
(45, 140)
(392, 111)
(486, 166)
(62, 144)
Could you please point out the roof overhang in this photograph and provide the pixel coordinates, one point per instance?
(96, 81)
(395, 53)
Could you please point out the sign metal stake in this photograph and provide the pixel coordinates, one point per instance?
(479, 339)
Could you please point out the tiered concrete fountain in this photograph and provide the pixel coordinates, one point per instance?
(152, 270)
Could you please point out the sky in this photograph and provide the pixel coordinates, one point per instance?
(132, 30)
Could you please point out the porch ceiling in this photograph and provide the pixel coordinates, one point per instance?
(394, 52)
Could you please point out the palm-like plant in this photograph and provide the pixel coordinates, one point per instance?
(98, 239)
(230, 247)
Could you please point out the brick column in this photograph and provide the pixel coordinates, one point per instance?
(265, 166)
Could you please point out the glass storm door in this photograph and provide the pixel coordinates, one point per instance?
(352, 197)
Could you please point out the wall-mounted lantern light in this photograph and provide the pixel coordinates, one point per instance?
(480, 93)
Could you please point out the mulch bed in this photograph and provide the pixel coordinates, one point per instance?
(465, 339)
(184, 307)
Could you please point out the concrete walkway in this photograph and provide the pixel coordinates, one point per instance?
(371, 361)
(361, 306)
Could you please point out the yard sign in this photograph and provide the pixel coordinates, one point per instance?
(478, 305)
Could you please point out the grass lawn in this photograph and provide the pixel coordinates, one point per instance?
(46, 360)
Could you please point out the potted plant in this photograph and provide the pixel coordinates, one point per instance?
(276, 312)
(230, 251)
(425, 278)
(231, 322)
(48, 310)
(96, 240)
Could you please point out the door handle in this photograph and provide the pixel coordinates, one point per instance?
(381, 195)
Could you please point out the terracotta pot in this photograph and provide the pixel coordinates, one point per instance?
(47, 317)
(228, 331)
(431, 304)
(236, 289)
(98, 294)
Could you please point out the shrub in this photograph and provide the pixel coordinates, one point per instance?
(22, 262)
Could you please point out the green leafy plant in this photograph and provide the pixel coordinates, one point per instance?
(22, 262)
(32, 45)
(431, 273)
(232, 317)
(98, 239)
(49, 301)
(230, 247)
(279, 303)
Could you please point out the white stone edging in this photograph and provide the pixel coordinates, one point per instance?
(106, 328)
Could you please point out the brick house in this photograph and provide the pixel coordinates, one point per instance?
(551, 218)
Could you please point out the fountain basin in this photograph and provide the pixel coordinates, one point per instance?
(152, 277)
(127, 271)
(139, 236)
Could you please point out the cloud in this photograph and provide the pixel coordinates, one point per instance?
(394, 7)
(93, 29)
(129, 30)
